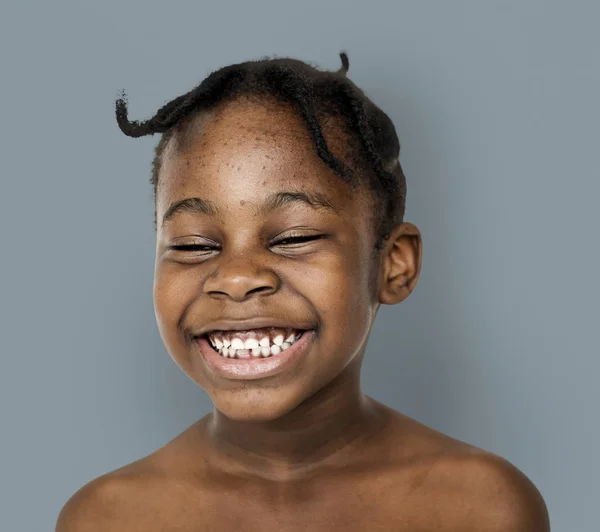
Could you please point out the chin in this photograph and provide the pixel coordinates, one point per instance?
(256, 406)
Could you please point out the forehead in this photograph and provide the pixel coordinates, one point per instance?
(243, 150)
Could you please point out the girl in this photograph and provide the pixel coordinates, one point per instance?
(279, 203)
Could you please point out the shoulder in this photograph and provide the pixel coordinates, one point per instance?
(138, 495)
(483, 492)
(95, 506)
(455, 486)
(125, 499)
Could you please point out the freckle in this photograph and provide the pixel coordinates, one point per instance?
(239, 167)
(263, 169)
(242, 202)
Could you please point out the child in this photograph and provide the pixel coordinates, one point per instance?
(279, 216)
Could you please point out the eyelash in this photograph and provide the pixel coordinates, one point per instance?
(195, 247)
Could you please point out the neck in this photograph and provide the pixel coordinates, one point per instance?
(321, 432)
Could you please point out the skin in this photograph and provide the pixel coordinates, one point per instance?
(305, 449)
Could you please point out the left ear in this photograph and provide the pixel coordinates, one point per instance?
(400, 264)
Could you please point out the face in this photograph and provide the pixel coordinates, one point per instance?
(248, 256)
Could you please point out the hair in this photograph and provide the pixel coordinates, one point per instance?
(314, 94)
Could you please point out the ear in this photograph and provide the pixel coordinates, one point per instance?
(400, 264)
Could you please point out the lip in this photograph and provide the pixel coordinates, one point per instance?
(248, 324)
(255, 368)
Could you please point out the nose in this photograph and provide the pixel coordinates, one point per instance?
(238, 278)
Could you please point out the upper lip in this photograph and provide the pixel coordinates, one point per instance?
(243, 325)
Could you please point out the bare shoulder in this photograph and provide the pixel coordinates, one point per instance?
(137, 496)
(96, 506)
(481, 491)
(452, 485)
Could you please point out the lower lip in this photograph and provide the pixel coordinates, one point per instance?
(255, 368)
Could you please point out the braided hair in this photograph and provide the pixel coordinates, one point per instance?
(314, 94)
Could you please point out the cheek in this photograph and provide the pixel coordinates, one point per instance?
(338, 289)
(172, 294)
(175, 288)
(166, 296)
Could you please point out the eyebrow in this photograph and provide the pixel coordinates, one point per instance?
(275, 201)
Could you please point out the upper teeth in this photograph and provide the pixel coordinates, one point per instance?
(244, 344)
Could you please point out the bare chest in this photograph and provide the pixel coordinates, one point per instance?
(344, 508)
(253, 519)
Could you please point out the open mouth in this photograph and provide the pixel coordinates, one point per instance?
(234, 362)
(256, 343)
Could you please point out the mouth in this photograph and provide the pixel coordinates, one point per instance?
(254, 354)
(255, 343)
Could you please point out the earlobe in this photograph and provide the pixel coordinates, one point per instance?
(400, 264)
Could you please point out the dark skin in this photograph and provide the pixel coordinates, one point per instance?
(305, 449)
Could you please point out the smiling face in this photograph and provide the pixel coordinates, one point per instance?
(240, 164)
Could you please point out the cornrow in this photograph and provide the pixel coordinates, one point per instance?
(296, 90)
(312, 93)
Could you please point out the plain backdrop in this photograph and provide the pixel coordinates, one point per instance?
(497, 110)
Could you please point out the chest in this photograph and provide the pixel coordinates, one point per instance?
(252, 519)
(343, 508)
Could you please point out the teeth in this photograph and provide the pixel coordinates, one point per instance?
(251, 343)
(278, 340)
(236, 343)
(265, 352)
(256, 351)
(252, 347)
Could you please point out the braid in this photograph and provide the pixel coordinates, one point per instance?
(345, 64)
(218, 83)
(312, 93)
(299, 93)
(388, 182)
(217, 86)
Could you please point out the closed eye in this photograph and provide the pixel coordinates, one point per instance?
(283, 242)
(192, 247)
(293, 239)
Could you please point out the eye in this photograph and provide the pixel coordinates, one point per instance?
(203, 248)
(192, 247)
(296, 239)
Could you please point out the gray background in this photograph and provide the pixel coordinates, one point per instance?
(496, 106)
